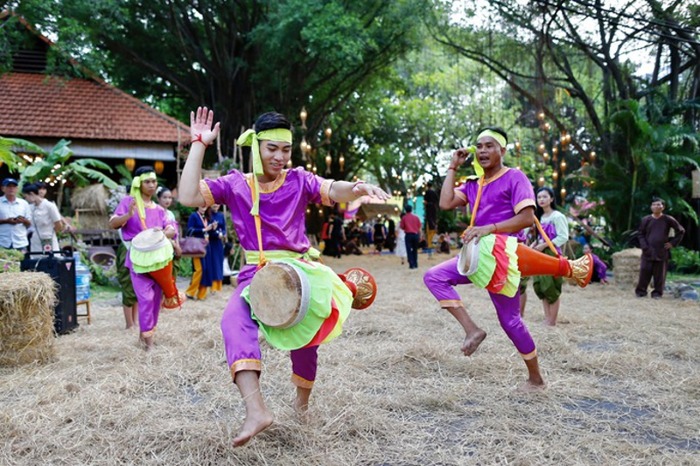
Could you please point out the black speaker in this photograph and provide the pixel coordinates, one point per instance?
(62, 270)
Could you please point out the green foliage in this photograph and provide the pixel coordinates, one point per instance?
(685, 260)
(185, 268)
(10, 259)
(653, 157)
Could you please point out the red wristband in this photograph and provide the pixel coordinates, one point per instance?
(198, 138)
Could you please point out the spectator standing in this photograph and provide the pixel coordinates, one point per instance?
(555, 225)
(45, 218)
(401, 241)
(199, 226)
(214, 259)
(379, 235)
(411, 225)
(431, 201)
(14, 217)
(655, 243)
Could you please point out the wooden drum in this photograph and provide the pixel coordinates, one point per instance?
(150, 250)
(279, 295)
(468, 262)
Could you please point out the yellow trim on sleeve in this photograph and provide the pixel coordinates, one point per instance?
(529, 356)
(523, 204)
(325, 193)
(206, 193)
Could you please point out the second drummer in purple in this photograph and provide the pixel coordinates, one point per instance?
(507, 206)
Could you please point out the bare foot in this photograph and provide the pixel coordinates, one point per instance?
(530, 386)
(253, 425)
(472, 342)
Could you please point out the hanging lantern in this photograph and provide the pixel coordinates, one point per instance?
(592, 155)
(289, 163)
(563, 165)
(341, 161)
(555, 175)
(328, 132)
(540, 181)
(303, 116)
(328, 164)
(158, 166)
(562, 192)
(130, 164)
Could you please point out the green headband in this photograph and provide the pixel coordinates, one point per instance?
(490, 133)
(497, 136)
(251, 138)
(135, 191)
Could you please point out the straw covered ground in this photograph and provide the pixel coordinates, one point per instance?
(623, 380)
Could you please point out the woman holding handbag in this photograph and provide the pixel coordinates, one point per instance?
(214, 260)
(199, 226)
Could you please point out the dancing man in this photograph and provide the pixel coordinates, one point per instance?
(267, 209)
(135, 214)
(502, 202)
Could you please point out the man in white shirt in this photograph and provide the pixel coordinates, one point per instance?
(14, 217)
(46, 220)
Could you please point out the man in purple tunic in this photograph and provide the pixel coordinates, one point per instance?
(655, 243)
(277, 199)
(506, 206)
(134, 214)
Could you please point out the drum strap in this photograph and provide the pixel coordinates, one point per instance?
(546, 238)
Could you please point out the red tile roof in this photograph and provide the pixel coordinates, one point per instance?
(37, 105)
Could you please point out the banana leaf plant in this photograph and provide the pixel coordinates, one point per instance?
(57, 165)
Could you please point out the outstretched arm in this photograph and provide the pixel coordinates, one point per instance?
(202, 134)
(345, 191)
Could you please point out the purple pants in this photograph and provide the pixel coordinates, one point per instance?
(241, 339)
(441, 281)
(149, 296)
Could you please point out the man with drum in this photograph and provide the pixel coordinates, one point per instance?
(502, 201)
(268, 210)
(147, 232)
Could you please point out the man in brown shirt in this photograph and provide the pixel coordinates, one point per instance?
(655, 244)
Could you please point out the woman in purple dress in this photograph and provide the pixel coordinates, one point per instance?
(268, 210)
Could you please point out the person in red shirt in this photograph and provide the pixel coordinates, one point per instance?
(410, 223)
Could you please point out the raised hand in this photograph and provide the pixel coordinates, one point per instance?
(201, 126)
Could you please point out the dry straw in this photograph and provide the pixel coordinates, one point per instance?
(27, 302)
(626, 266)
(623, 380)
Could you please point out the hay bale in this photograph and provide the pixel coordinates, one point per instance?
(91, 198)
(27, 301)
(626, 265)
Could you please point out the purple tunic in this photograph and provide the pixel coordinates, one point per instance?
(501, 199)
(282, 211)
(148, 293)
